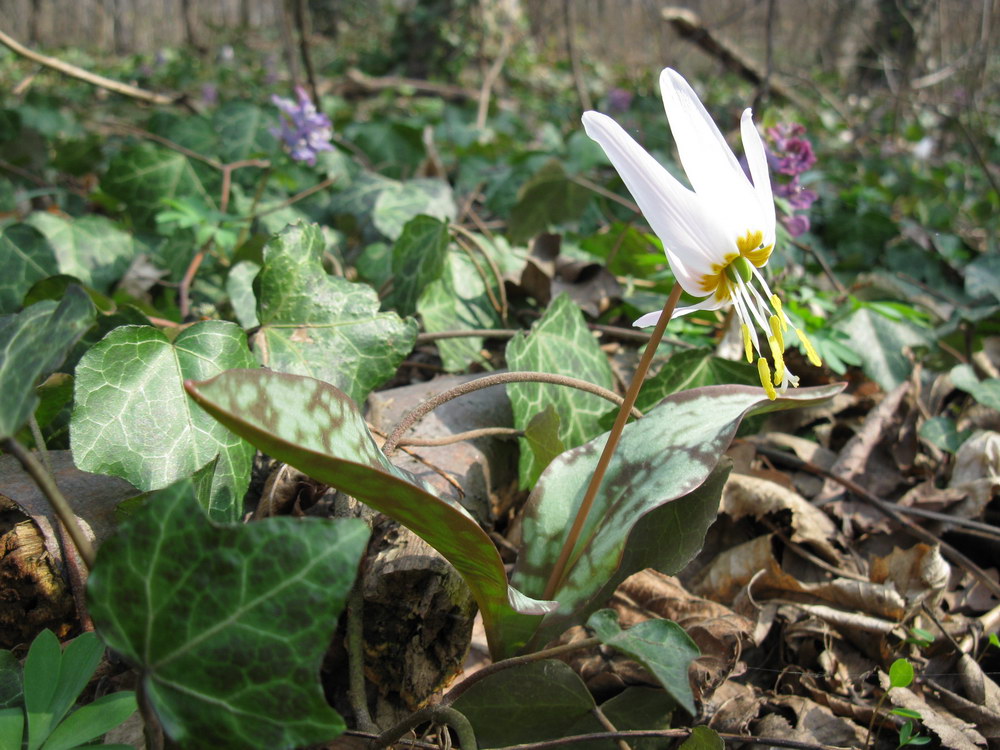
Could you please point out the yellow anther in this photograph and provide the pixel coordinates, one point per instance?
(765, 378)
(776, 331)
(776, 304)
(747, 343)
(810, 352)
(779, 360)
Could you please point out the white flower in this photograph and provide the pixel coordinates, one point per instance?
(720, 233)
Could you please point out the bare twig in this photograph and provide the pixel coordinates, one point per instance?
(92, 78)
(491, 77)
(355, 660)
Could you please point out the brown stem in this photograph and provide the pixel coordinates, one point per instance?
(302, 26)
(501, 378)
(458, 437)
(561, 565)
(51, 491)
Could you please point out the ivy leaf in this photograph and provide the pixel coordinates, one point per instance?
(92, 249)
(400, 202)
(227, 624)
(142, 176)
(133, 420)
(533, 702)
(328, 328)
(661, 646)
(418, 258)
(879, 342)
(658, 498)
(318, 429)
(558, 343)
(244, 131)
(459, 300)
(33, 343)
(239, 285)
(26, 257)
(548, 198)
(693, 368)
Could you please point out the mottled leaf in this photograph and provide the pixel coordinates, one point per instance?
(239, 285)
(534, 702)
(325, 327)
(227, 624)
(418, 258)
(547, 199)
(244, 131)
(33, 343)
(982, 277)
(142, 176)
(92, 248)
(25, 257)
(659, 496)
(133, 420)
(661, 646)
(459, 301)
(879, 342)
(400, 202)
(319, 430)
(693, 368)
(559, 343)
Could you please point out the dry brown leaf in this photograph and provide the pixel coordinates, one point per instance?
(985, 716)
(731, 707)
(812, 723)
(919, 574)
(952, 731)
(751, 496)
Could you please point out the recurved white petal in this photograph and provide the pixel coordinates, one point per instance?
(709, 303)
(753, 147)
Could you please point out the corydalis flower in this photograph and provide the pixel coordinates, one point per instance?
(717, 236)
(304, 130)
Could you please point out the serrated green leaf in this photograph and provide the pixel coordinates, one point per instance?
(92, 721)
(33, 343)
(227, 624)
(142, 176)
(661, 646)
(244, 131)
(534, 702)
(418, 258)
(92, 248)
(547, 199)
(399, 203)
(693, 368)
(558, 343)
(321, 326)
(25, 257)
(659, 496)
(459, 301)
(133, 420)
(319, 430)
(879, 342)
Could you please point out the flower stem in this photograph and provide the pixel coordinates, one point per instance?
(559, 569)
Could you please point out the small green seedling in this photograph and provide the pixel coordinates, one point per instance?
(920, 637)
(35, 702)
(994, 640)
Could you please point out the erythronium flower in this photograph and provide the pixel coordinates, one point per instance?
(720, 234)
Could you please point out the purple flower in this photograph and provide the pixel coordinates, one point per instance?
(796, 224)
(209, 93)
(619, 100)
(304, 130)
(790, 154)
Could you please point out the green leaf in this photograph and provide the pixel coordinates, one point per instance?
(879, 342)
(542, 435)
(41, 680)
(942, 432)
(661, 646)
(33, 343)
(641, 708)
(141, 176)
(325, 327)
(399, 203)
(693, 368)
(908, 713)
(900, 674)
(418, 258)
(659, 496)
(534, 702)
(982, 277)
(227, 624)
(319, 430)
(986, 392)
(459, 301)
(547, 199)
(25, 257)
(79, 660)
(91, 248)
(11, 728)
(244, 131)
(92, 721)
(558, 343)
(133, 420)
(11, 691)
(703, 738)
(239, 285)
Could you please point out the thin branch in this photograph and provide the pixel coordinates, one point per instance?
(354, 640)
(92, 78)
(563, 561)
(50, 489)
(419, 411)
(436, 714)
(491, 77)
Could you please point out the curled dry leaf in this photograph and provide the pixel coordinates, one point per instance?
(919, 574)
(811, 723)
(952, 731)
